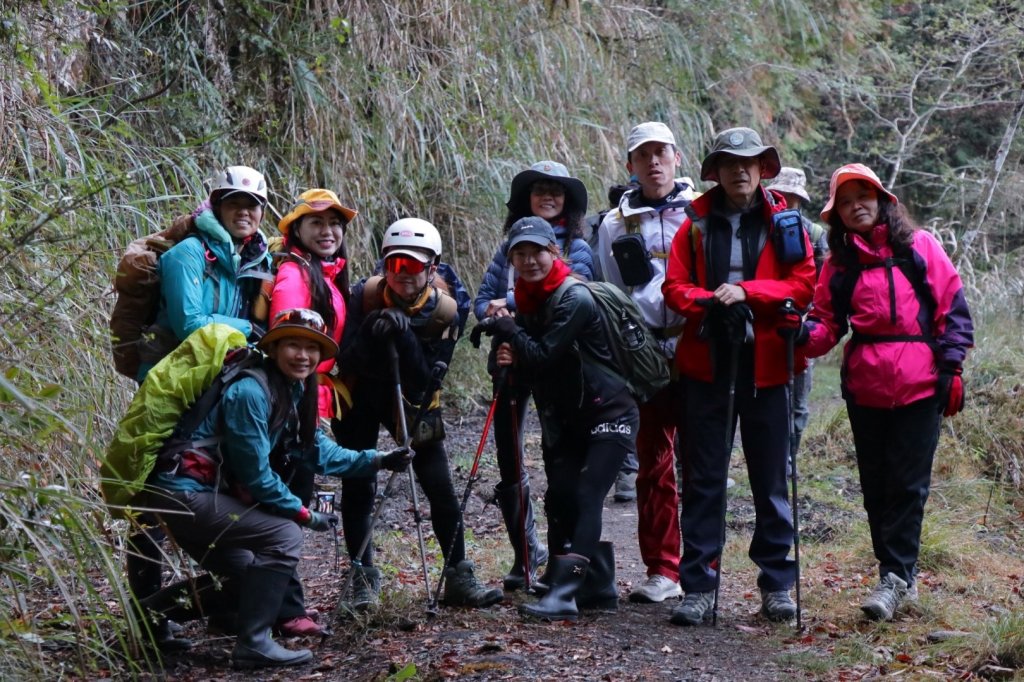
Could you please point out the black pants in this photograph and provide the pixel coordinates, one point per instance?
(895, 448)
(763, 416)
(581, 464)
(508, 441)
(372, 407)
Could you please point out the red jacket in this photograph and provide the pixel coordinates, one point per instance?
(687, 284)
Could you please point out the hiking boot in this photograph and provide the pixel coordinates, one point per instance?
(168, 637)
(461, 588)
(777, 606)
(694, 608)
(654, 590)
(887, 596)
(365, 590)
(625, 487)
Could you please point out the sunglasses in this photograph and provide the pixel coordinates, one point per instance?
(395, 264)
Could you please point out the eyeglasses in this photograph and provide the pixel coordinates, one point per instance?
(395, 264)
(550, 189)
(300, 317)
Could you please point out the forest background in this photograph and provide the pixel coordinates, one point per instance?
(113, 114)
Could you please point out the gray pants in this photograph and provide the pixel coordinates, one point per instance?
(225, 536)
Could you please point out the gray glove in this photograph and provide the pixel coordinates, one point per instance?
(395, 460)
(320, 522)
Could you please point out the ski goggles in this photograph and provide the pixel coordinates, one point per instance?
(395, 264)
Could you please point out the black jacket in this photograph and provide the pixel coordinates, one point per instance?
(567, 384)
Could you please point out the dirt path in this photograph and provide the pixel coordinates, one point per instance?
(400, 641)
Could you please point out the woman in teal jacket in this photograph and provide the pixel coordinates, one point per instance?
(214, 275)
(225, 503)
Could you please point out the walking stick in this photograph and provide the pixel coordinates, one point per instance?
(787, 309)
(436, 377)
(406, 440)
(517, 447)
(734, 361)
(499, 386)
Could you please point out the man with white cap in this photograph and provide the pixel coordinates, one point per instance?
(632, 248)
(791, 183)
(727, 276)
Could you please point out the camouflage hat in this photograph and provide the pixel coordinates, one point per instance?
(791, 181)
(740, 142)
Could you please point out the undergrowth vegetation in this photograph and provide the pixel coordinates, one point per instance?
(114, 114)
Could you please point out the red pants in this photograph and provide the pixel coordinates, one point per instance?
(657, 501)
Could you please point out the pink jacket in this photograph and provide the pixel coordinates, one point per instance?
(888, 373)
(292, 291)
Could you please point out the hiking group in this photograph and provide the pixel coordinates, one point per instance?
(643, 347)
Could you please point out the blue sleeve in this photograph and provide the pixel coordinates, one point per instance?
(183, 284)
(581, 259)
(334, 460)
(245, 411)
(463, 301)
(494, 284)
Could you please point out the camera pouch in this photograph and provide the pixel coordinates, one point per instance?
(634, 260)
(788, 236)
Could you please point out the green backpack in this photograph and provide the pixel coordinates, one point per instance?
(639, 362)
(174, 384)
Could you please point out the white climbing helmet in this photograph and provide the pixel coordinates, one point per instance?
(234, 179)
(413, 237)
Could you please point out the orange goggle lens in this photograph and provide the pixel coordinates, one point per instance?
(395, 264)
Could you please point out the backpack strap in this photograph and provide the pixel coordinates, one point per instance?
(915, 275)
(238, 364)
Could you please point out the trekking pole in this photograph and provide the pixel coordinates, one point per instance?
(499, 386)
(517, 448)
(406, 440)
(789, 308)
(436, 377)
(734, 361)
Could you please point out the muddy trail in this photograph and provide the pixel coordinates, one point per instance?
(401, 640)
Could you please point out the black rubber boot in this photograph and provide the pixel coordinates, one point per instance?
(557, 542)
(599, 590)
(568, 572)
(143, 565)
(180, 603)
(262, 592)
(508, 499)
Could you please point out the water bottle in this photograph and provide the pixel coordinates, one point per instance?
(633, 336)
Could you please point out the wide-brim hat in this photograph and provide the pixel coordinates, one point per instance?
(791, 181)
(740, 142)
(530, 229)
(302, 323)
(852, 171)
(519, 196)
(314, 201)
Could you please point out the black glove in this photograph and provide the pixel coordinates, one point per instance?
(390, 322)
(395, 460)
(501, 328)
(320, 522)
(734, 319)
(475, 334)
